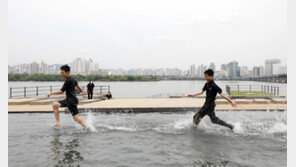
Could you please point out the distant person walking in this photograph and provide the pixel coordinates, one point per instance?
(90, 89)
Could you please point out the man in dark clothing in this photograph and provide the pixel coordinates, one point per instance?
(209, 106)
(71, 100)
(90, 89)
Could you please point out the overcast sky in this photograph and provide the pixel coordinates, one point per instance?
(147, 33)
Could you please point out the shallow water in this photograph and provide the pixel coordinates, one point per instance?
(148, 139)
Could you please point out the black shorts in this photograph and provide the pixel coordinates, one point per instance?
(71, 105)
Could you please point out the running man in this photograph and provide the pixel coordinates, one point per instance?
(71, 100)
(209, 106)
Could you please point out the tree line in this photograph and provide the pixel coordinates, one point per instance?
(56, 77)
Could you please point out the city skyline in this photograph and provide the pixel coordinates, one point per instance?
(86, 67)
(217, 65)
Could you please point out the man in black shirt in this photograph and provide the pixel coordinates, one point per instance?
(71, 100)
(209, 106)
(90, 89)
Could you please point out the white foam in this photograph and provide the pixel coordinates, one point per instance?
(278, 127)
(183, 124)
(117, 127)
(238, 127)
(90, 122)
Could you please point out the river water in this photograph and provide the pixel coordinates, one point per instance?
(148, 139)
(144, 89)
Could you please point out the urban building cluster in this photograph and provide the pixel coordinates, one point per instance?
(233, 70)
(78, 66)
(86, 67)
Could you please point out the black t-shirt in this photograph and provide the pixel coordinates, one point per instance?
(211, 90)
(90, 87)
(69, 87)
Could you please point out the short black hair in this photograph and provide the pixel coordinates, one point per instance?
(65, 68)
(209, 72)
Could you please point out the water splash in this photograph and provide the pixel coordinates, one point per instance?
(183, 124)
(262, 124)
(238, 127)
(90, 122)
(120, 128)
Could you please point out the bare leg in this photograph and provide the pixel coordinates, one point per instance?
(56, 114)
(80, 120)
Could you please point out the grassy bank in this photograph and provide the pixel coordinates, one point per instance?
(248, 93)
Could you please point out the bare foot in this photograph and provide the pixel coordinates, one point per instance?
(56, 124)
(233, 129)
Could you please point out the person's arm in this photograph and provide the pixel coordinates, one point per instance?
(219, 90)
(196, 94)
(79, 88)
(60, 91)
(55, 93)
(199, 93)
(228, 99)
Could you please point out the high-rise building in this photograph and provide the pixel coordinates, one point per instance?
(200, 70)
(233, 70)
(192, 71)
(43, 68)
(272, 66)
(244, 71)
(34, 68)
(223, 71)
(212, 66)
(223, 67)
(84, 67)
(258, 71)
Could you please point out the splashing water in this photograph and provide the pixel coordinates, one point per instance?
(246, 123)
(90, 122)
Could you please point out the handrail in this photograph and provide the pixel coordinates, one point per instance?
(260, 88)
(29, 91)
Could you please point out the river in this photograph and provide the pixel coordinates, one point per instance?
(144, 89)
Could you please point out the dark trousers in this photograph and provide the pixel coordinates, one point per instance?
(209, 109)
(90, 95)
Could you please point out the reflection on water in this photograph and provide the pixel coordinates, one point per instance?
(66, 154)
